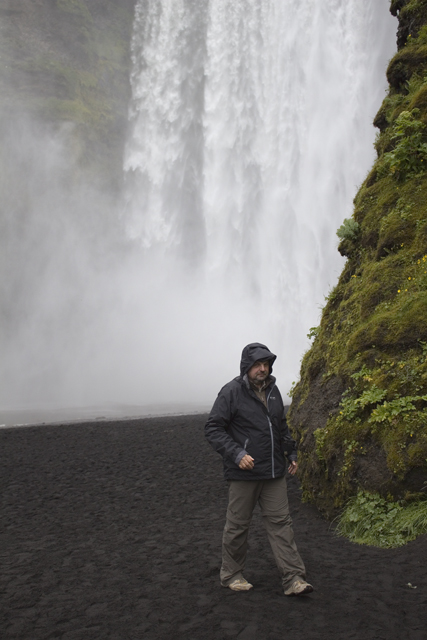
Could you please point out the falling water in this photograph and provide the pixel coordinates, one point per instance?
(250, 131)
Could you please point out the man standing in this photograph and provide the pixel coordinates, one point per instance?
(247, 426)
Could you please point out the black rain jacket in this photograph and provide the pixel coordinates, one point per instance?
(240, 424)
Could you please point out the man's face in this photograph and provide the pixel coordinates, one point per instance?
(259, 371)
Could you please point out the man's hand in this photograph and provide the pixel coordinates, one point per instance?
(293, 467)
(247, 462)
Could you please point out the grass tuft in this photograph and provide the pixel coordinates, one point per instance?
(372, 520)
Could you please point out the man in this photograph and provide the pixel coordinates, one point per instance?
(247, 426)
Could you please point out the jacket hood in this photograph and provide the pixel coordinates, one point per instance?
(253, 352)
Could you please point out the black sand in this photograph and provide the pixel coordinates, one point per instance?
(113, 531)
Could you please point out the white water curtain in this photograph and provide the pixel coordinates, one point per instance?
(252, 127)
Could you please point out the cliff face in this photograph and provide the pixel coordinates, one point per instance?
(67, 61)
(360, 409)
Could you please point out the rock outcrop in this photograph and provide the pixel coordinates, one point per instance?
(359, 411)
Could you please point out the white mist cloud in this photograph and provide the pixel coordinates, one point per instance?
(87, 316)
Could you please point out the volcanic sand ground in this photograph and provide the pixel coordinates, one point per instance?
(113, 531)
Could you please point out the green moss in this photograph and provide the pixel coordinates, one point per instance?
(372, 335)
(419, 99)
(399, 326)
(412, 19)
(377, 289)
(408, 61)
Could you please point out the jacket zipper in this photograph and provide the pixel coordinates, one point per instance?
(271, 435)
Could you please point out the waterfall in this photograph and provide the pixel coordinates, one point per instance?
(251, 129)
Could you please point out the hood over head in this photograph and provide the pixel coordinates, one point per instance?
(253, 352)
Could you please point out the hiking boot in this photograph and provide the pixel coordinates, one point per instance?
(299, 587)
(240, 585)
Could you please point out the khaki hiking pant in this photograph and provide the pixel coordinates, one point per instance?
(272, 497)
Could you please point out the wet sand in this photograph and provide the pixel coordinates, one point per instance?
(112, 530)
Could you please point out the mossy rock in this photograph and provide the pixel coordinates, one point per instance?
(394, 330)
(419, 101)
(371, 345)
(397, 5)
(394, 233)
(378, 289)
(346, 247)
(404, 64)
(380, 120)
(412, 17)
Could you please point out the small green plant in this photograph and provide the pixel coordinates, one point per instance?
(292, 389)
(396, 407)
(350, 449)
(320, 436)
(409, 157)
(370, 519)
(349, 230)
(331, 295)
(423, 344)
(313, 332)
(351, 406)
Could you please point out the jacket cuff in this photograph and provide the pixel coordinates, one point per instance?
(239, 456)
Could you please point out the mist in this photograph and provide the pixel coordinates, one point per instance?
(250, 127)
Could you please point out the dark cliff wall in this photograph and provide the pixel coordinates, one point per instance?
(67, 62)
(360, 409)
